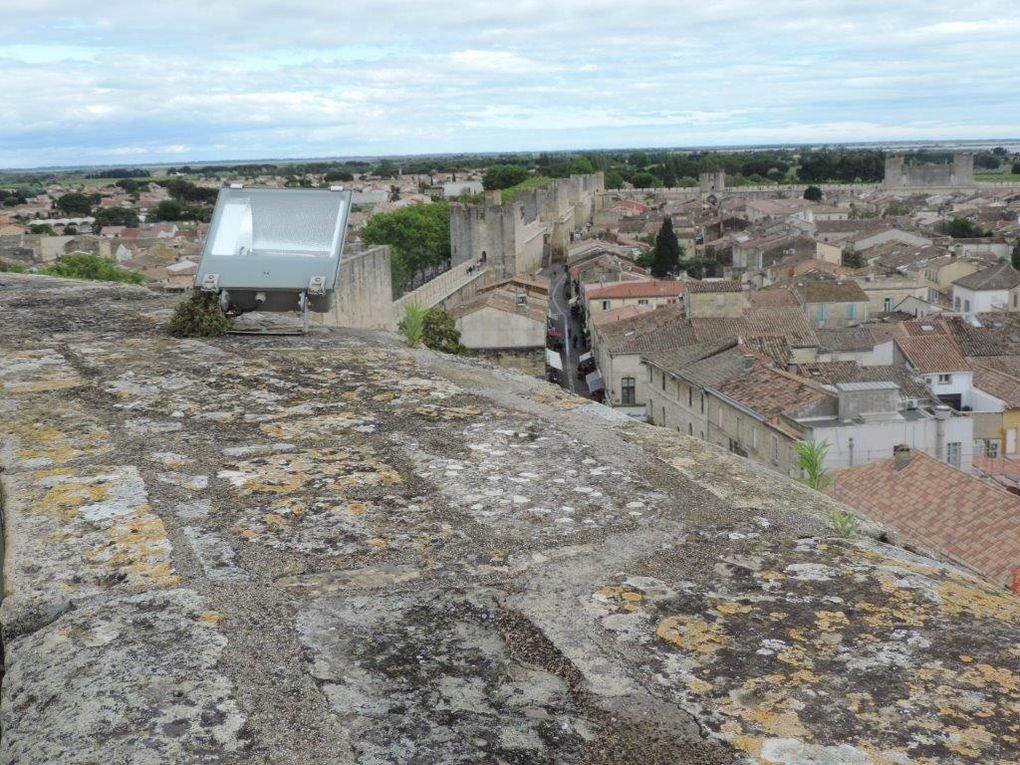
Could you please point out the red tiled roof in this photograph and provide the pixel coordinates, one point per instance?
(940, 507)
(651, 288)
(771, 392)
(775, 297)
(935, 353)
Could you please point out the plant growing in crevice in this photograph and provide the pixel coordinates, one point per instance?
(810, 460)
(412, 324)
(844, 522)
(199, 316)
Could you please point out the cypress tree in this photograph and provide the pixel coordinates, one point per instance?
(667, 251)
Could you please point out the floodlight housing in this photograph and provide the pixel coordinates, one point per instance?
(275, 249)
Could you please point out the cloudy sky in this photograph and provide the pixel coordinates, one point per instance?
(137, 81)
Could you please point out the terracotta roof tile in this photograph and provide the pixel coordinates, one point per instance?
(649, 288)
(939, 507)
(771, 392)
(938, 353)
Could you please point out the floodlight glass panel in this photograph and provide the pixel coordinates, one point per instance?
(278, 222)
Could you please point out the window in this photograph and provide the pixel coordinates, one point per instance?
(627, 391)
(642, 301)
(956, 303)
(953, 450)
(1015, 295)
(664, 381)
(887, 305)
(663, 416)
(754, 437)
(690, 397)
(945, 379)
(774, 450)
(649, 375)
(966, 306)
(851, 311)
(690, 428)
(820, 313)
(702, 403)
(605, 305)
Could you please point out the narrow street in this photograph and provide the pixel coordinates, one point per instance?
(571, 328)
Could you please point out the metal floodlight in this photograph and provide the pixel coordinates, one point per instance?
(275, 249)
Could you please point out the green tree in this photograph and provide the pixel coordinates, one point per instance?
(418, 237)
(579, 165)
(338, 175)
(614, 180)
(813, 194)
(116, 216)
(645, 180)
(503, 176)
(439, 332)
(696, 267)
(666, 259)
(74, 204)
(1014, 258)
(962, 228)
(169, 209)
(851, 258)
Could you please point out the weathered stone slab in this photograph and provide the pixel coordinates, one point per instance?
(427, 677)
(71, 533)
(127, 680)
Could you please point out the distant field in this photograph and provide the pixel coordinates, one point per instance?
(1001, 177)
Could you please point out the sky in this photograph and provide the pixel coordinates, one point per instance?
(137, 81)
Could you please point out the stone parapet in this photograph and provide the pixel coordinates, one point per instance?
(333, 549)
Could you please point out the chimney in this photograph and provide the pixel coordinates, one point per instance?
(901, 456)
(942, 413)
(748, 362)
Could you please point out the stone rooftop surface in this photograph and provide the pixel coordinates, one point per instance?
(332, 549)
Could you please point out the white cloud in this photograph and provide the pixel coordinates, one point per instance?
(263, 78)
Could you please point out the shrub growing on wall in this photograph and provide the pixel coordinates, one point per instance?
(199, 316)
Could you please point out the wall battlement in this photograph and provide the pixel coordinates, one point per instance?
(332, 549)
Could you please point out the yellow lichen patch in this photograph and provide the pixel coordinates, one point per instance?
(957, 599)
(831, 621)
(272, 519)
(376, 542)
(210, 617)
(384, 397)
(795, 656)
(247, 533)
(633, 597)
(771, 576)
(729, 608)
(693, 633)
(699, 686)
(748, 744)
(966, 659)
(805, 677)
(64, 499)
(980, 675)
(969, 742)
(783, 724)
(356, 508)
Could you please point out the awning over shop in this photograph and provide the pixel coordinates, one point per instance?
(594, 381)
(552, 359)
(553, 333)
(584, 357)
